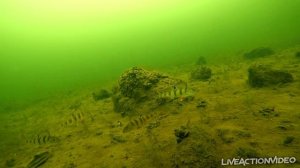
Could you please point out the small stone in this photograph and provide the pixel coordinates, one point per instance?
(288, 140)
(181, 134)
(102, 94)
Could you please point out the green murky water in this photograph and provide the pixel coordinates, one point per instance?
(58, 45)
(57, 55)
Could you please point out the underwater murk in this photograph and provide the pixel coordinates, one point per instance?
(149, 84)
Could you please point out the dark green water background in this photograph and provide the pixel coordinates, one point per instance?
(52, 46)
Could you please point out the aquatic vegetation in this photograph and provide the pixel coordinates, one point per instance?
(201, 73)
(258, 53)
(262, 76)
(102, 94)
(39, 160)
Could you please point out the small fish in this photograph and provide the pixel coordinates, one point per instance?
(39, 160)
(76, 117)
(43, 138)
(137, 123)
(174, 91)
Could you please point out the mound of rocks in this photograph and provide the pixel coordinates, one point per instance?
(262, 76)
(135, 82)
(138, 89)
(258, 53)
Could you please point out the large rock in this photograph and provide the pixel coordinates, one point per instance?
(261, 76)
(139, 89)
(135, 82)
(201, 73)
(258, 53)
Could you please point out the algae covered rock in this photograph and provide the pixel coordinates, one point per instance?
(262, 76)
(139, 90)
(258, 53)
(201, 73)
(135, 87)
(136, 81)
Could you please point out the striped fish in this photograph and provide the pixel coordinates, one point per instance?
(75, 118)
(42, 139)
(39, 160)
(137, 123)
(174, 91)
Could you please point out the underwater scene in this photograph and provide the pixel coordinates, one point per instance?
(149, 84)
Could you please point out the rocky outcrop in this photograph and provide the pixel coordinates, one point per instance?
(262, 76)
(139, 89)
